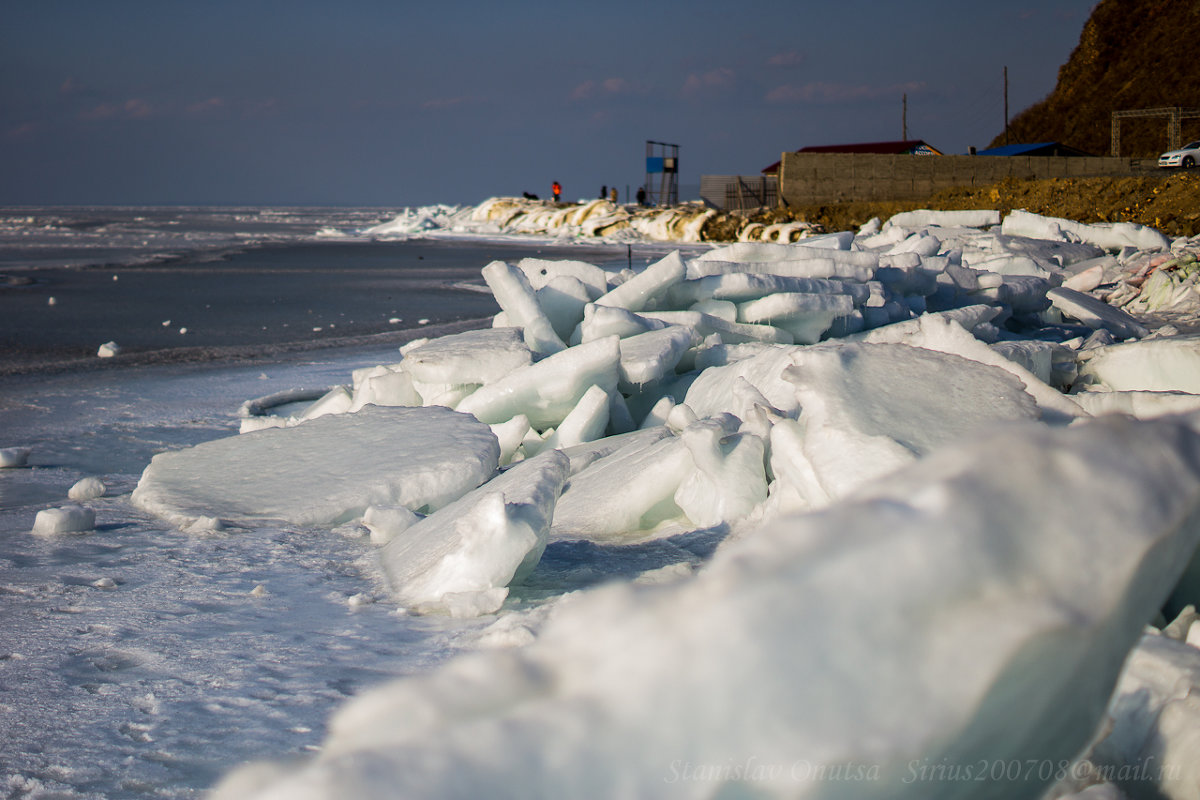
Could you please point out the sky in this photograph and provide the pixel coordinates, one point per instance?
(374, 103)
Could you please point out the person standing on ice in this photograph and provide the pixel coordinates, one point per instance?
(556, 189)
(613, 195)
(641, 195)
(603, 192)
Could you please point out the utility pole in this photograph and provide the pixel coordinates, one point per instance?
(1005, 105)
(904, 117)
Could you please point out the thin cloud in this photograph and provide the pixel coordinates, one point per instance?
(786, 60)
(25, 130)
(720, 78)
(835, 93)
(206, 107)
(71, 86)
(136, 108)
(607, 87)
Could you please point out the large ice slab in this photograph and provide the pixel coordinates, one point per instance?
(621, 495)
(1151, 746)
(944, 333)
(541, 272)
(518, 301)
(1096, 313)
(644, 288)
(480, 356)
(971, 218)
(806, 316)
(742, 286)
(867, 410)
(546, 392)
(1108, 235)
(650, 356)
(717, 389)
(942, 619)
(1140, 404)
(326, 471)
(1155, 365)
(455, 559)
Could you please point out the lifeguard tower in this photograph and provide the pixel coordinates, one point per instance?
(662, 167)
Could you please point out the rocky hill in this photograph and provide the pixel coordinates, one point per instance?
(1132, 54)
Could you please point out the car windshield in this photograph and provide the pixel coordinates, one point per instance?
(1191, 146)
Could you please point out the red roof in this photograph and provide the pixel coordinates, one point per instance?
(901, 147)
(885, 148)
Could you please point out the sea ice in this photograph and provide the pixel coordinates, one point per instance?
(385, 523)
(940, 618)
(86, 489)
(542, 272)
(326, 471)
(383, 386)
(471, 357)
(867, 410)
(1150, 749)
(1140, 404)
(1156, 365)
(482, 542)
(623, 494)
(805, 316)
(651, 356)
(601, 321)
(943, 333)
(645, 287)
(65, 519)
(729, 480)
(982, 218)
(1096, 313)
(1110, 236)
(545, 392)
(585, 423)
(14, 456)
(518, 301)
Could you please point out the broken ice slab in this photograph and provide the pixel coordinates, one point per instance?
(651, 356)
(324, 472)
(546, 391)
(518, 301)
(623, 495)
(868, 410)
(480, 356)
(489, 538)
(1169, 364)
(1096, 313)
(645, 287)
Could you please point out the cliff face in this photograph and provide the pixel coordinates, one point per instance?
(1131, 54)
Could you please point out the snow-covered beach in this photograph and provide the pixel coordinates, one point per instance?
(876, 512)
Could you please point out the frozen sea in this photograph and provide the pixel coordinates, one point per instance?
(813, 571)
(142, 661)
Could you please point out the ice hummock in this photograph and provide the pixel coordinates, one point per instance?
(827, 408)
(938, 618)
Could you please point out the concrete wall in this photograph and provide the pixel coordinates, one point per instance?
(814, 178)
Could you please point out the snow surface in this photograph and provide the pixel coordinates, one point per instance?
(822, 518)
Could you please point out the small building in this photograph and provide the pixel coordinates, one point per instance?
(1053, 149)
(903, 147)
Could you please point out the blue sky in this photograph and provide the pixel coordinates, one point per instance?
(454, 101)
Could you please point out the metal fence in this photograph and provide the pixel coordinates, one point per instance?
(740, 192)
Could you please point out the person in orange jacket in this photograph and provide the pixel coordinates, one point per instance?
(557, 190)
